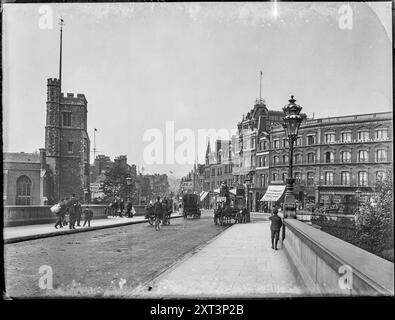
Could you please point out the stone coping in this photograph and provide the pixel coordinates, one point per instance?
(375, 271)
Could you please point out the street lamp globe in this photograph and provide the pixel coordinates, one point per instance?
(292, 119)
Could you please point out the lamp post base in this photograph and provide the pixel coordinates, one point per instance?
(290, 200)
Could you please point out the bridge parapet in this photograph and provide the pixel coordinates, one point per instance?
(331, 266)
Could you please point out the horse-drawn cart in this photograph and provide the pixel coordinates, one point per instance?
(191, 206)
(225, 211)
(166, 211)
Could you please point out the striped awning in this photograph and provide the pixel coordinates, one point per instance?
(203, 195)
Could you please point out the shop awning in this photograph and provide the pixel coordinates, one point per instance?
(203, 195)
(273, 193)
(216, 190)
(232, 191)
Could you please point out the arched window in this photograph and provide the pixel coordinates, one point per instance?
(23, 190)
(285, 159)
(275, 160)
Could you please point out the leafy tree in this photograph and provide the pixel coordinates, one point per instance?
(375, 219)
(116, 183)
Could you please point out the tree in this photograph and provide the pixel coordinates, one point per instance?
(375, 219)
(116, 183)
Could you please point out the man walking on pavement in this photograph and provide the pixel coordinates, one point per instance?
(78, 213)
(158, 213)
(88, 215)
(60, 214)
(72, 205)
(275, 228)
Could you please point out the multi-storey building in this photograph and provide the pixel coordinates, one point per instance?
(248, 156)
(334, 157)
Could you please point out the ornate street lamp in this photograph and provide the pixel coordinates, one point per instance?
(248, 183)
(291, 124)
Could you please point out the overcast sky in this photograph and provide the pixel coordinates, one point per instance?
(195, 64)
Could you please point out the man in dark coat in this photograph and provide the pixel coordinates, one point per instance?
(72, 208)
(88, 215)
(275, 228)
(78, 213)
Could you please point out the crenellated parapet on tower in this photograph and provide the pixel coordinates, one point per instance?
(67, 142)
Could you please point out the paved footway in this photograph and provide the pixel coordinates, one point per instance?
(42, 230)
(239, 263)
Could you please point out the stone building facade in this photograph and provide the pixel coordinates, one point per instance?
(334, 157)
(26, 180)
(67, 142)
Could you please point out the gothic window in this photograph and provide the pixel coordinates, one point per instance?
(66, 119)
(23, 190)
(70, 146)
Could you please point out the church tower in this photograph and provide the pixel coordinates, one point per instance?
(67, 142)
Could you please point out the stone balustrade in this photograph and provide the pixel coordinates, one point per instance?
(27, 215)
(330, 266)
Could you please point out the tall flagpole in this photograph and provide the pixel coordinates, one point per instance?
(61, 23)
(260, 88)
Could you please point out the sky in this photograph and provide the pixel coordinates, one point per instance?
(196, 65)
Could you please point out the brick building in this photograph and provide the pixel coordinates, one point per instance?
(67, 142)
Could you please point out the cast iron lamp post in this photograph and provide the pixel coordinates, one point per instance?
(248, 183)
(291, 124)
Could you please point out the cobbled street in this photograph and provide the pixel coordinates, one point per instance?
(103, 262)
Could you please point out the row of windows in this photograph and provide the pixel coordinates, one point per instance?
(381, 155)
(345, 177)
(219, 171)
(329, 137)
